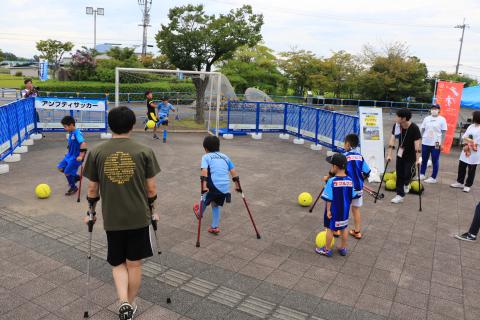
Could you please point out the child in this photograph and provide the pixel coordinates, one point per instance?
(338, 194)
(151, 113)
(358, 170)
(163, 111)
(215, 181)
(77, 148)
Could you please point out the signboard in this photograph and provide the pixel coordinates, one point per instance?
(70, 104)
(448, 96)
(43, 70)
(371, 137)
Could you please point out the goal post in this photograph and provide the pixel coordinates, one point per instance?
(213, 88)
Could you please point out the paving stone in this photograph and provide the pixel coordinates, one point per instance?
(43, 266)
(446, 307)
(207, 310)
(14, 277)
(239, 315)
(242, 283)
(403, 312)
(77, 308)
(312, 287)
(270, 292)
(257, 271)
(104, 315)
(257, 307)
(28, 311)
(411, 283)
(62, 275)
(320, 274)
(300, 301)
(380, 290)
(341, 295)
(10, 300)
(332, 311)
(56, 299)
(365, 315)
(269, 260)
(374, 304)
(104, 295)
(158, 313)
(447, 279)
(445, 292)
(34, 288)
(231, 263)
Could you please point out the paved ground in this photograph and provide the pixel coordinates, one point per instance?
(408, 266)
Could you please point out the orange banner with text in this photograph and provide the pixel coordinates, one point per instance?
(449, 95)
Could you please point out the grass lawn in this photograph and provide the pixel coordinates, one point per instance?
(8, 81)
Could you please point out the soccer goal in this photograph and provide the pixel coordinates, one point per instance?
(200, 98)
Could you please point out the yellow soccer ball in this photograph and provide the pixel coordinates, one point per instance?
(43, 191)
(391, 185)
(305, 199)
(150, 124)
(321, 239)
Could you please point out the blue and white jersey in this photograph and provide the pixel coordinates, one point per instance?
(340, 192)
(219, 166)
(357, 167)
(75, 139)
(164, 109)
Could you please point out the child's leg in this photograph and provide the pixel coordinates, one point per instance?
(164, 133)
(215, 215)
(329, 238)
(356, 218)
(343, 243)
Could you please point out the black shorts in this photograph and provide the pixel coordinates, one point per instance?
(130, 245)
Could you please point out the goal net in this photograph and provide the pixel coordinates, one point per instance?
(199, 97)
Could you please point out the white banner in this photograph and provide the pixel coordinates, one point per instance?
(371, 137)
(70, 104)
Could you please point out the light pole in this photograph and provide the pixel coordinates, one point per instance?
(460, 26)
(145, 6)
(95, 12)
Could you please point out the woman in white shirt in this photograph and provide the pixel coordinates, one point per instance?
(470, 156)
(433, 132)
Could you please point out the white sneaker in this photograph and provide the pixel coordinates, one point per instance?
(406, 189)
(397, 199)
(422, 177)
(466, 189)
(456, 185)
(430, 180)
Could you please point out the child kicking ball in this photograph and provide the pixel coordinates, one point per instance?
(76, 150)
(338, 195)
(216, 169)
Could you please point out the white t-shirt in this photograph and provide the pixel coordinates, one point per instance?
(433, 127)
(474, 158)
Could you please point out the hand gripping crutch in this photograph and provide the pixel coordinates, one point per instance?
(90, 223)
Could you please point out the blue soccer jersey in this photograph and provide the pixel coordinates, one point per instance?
(339, 191)
(164, 109)
(357, 168)
(75, 139)
(219, 166)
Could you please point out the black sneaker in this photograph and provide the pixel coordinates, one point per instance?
(155, 137)
(125, 312)
(466, 237)
(164, 140)
(71, 191)
(146, 128)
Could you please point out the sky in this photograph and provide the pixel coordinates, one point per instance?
(321, 26)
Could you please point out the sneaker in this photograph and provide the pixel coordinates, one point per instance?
(337, 233)
(466, 237)
(164, 140)
(422, 177)
(146, 128)
(397, 199)
(406, 189)
(466, 189)
(196, 211)
(214, 230)
(71, 191)
(155, 137)
(125, 312)
(343, 251)
(135, 307)
(456, 185)
(324, 252)
(431, 180)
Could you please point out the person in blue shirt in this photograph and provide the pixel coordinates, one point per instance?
(164, 109)
(216, 168)
(358, 170)
(338, 194)
(76, 150)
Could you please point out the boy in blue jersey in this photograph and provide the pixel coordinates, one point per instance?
(215, 178)
(358, 170)
(164, 109)
(77, 148)
(338, 195)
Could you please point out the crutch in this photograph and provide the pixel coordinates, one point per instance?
(373, 193)
(91, 222)
(248, 210)
(201, 215)
(80, 184)
(159, 252)
(316, 200)
(381, 181)
(419, 188)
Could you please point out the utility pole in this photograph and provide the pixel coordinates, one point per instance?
(145, 6)
(460, 26)
(95, 12)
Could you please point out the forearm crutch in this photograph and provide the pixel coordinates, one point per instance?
(90, 223)
(373, 193)
(159, 252)
(316, 200)
(381, 181)
(80, 183)
(248, 210)
(419, 188)
(201, 215)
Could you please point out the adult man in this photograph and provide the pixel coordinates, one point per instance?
(123, 172)
(433, 128)
(30, 90)
(408, 154)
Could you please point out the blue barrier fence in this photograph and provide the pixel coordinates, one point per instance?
(17, 122)
(319, 126)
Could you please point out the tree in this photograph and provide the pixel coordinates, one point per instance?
(194, 40)
(299, 66)
(469, 82)
(53, 51)
(122, 54)
(253, 67)
(83, 64)
(158, 62)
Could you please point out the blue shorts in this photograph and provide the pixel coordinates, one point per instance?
(69, 166)
(332, 224)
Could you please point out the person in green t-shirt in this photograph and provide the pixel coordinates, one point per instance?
(123, 172)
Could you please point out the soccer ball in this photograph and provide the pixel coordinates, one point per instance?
(150, 124)
(43, 191)
(391, 185)
(321, 240)
(305, 199)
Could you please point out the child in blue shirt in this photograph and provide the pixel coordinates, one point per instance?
(338, 195)
(215, 178)
(358, 170)
(76, 150)
(164, 109)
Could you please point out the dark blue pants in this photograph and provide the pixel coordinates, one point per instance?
(426, 152)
